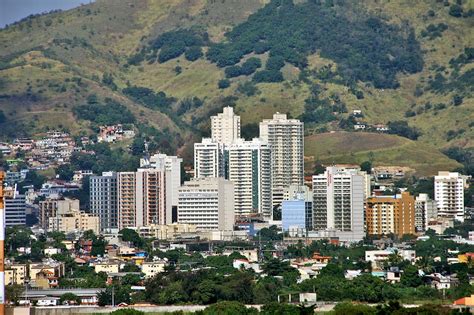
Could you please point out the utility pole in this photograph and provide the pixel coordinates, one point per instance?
(113, 295)
(2, 246)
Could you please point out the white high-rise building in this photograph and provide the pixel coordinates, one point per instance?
(449, 195)
(338, 202)
(248, 166)
(207, 203)
(208, 159)
(286, 138)
(425, 210)
(225, 126)
(170, 164)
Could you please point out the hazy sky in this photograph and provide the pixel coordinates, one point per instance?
(14, 10)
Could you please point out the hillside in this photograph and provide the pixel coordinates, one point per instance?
(393, 60)
(381, 149)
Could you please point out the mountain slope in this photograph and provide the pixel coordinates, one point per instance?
(52, 63)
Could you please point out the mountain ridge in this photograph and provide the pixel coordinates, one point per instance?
(52, 63)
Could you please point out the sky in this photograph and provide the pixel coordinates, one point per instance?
(14, 10)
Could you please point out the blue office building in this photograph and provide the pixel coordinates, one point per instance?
(296, 214)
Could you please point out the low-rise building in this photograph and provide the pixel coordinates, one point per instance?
(378, 257)
(107, 267)
(152, 268)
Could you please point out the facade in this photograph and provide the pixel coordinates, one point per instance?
(50, 208)
(425, 210)
(152, 268)
(286, 138)
(248, 166)
(103, 199)
(207, 203)
(208, 159)
(16, 274)
(170, 164)
(127, 201)
(225, 126)
(74, 220)
(449, 195)
(297, 209)
(15, 210)
(391, 214)
(141, 198)
(338, 202)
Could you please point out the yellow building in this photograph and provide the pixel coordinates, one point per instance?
(74, 220)
(58, 269)
(16, 274)
(50, 208)
(107, 267)
(166, 231)
(391, 214)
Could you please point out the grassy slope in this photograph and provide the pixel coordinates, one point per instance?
(115, 29)
(383, 149)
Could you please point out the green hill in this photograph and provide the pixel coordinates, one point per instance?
(317, 60)
(381, 149)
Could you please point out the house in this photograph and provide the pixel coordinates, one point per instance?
(151, 268)
(439, 282)
(378, 257)
(107, 267)
(45, 279)
(244, 263)
(393, 275)
(50, 251)
(352, 274)
(465, 301)
(55, 268)
(466, 258)
(360, 126)
(15, 274)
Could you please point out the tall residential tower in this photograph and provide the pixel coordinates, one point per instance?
(286, 138)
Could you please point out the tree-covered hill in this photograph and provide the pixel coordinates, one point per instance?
(168, 65)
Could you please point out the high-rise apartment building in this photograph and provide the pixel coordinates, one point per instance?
(225, 126)
(15, 210)
(286, 138)
(207, 203)
(170, 164)
(338, 202)
(391, 214)
(51, 208)
(208, 159)
(103, 199)
(425, 210)
(449, 195)
(248, 166)
(141, 198)
(128, 216)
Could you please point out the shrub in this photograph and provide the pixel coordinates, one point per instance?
(223, 84)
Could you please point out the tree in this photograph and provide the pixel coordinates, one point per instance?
(131, 236)
(410, 277)
(3, 117)
(366, 166)
(223, 84)
(455, 10)
(65, 172)
(13, 293)
(193, 53)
